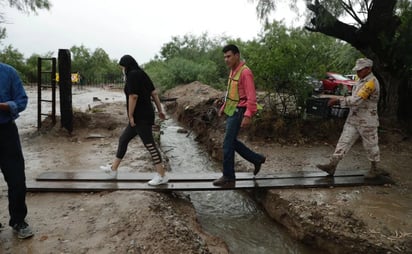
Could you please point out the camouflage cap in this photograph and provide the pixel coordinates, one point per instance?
(362, 63)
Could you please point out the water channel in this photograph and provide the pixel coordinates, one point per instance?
(231, 215)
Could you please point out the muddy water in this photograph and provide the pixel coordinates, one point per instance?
(231, 215)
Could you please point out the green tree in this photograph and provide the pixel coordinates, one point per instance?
(14, 58)
(160, 73)
(187, 46)
(187, 59)
(27, 68)
(94, 67)
(100, 63)
(80, 58)
(282, 58)
(381, 30)
(31, 66)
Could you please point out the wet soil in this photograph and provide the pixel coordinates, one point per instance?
(369, 219)
(103, 222)
(340, 220)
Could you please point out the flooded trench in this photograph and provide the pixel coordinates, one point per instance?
(230, 215)
(237, 219)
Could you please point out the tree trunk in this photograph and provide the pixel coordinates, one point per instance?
(389, 85)
(405, 104)
(373, 40)
(395, 104)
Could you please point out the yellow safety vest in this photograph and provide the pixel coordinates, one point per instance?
(232, 94)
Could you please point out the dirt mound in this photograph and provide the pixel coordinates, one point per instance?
(340, 220)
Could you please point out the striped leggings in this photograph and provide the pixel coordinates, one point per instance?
(146, 135)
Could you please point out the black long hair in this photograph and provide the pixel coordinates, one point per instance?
(129, 63)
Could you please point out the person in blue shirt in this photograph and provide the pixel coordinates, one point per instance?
(13, 100)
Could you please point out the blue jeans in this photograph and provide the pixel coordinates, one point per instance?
(231, 145)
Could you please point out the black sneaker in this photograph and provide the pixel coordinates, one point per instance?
(259, 165)
(224, 182)
(23, 230)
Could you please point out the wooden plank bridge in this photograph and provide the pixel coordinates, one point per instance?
(88, 181)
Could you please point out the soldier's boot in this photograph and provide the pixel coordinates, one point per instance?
(329, 168)
(373, 171)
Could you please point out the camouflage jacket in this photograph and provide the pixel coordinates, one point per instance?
(363, 102)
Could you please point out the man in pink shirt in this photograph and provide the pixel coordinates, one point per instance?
(240, 105)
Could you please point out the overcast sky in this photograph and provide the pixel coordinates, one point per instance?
(136, 27)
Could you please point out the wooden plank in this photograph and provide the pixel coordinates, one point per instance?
(146, 176)
(314, 182)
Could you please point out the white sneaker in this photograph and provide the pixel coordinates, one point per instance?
(108, 170)
(158, 180)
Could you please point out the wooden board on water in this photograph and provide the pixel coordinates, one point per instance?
(275, 183)
(204, 176)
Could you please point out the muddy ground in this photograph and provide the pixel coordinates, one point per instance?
(341, 220)
(104, 222)
(370, 219)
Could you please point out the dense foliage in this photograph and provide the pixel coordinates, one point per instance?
(96, 68)
(281, 59)
(381, 30)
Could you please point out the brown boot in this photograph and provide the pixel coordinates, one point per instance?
(329, 168)
(224, 182)
(373, 172)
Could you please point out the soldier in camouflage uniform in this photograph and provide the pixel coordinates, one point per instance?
(362, 119)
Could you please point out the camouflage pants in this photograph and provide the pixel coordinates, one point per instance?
(349, 136)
